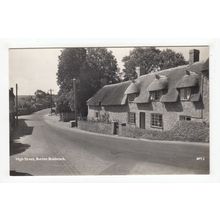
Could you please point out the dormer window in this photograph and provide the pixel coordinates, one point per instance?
(132, 91)
(158, 87)
(188, 86)
(185, 94)
(156, 95)
(131, 97)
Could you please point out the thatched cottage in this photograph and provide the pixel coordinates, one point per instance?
(156, 100)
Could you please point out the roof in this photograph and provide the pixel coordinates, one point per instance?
(190, 79)
(169, 78)
(206, 65)
(159, 83)
(132, 88)
(113, 94)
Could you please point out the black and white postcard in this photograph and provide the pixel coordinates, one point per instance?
(109, 110)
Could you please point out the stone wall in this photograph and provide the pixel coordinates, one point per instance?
(115, 113)
(99, 127)
(206, 98)
(171, 112)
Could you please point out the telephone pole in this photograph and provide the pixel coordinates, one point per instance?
(75, 100)
(51, 100)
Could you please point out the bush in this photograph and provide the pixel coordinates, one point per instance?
(182, 131)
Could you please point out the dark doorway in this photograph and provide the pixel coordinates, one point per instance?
(116, 127)
(142, 120)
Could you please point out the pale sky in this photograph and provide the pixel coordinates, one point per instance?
(36, 69)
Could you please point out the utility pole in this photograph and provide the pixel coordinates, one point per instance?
(75, 100)
(16, 103)
(51, 100)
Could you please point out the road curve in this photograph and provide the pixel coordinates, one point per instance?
(42, 148)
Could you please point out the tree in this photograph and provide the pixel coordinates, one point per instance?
(150, 59)
(70, 62)
(40, 94)
(93, 67)
(103, 64)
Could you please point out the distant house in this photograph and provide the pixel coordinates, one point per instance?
(156, 100)
(12, 110)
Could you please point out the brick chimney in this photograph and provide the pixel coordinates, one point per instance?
(139, 70)
(193, 56)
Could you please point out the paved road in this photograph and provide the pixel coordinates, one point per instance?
(41, 147)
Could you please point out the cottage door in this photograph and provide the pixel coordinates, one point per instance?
(142, 120)
(116, 127)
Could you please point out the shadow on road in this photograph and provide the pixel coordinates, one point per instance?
(15, 173)
(17, 148)
(22, 130)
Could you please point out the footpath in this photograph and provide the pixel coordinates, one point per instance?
(53, 120)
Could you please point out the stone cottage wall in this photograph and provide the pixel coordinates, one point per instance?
(206, 98)
(99, 127)
(115, 113)
(198, 111)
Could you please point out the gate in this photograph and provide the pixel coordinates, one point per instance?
(115, 127)
(142, 120)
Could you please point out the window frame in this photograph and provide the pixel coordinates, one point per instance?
(184, 118)
(156, 95)
(133, 96)
(153, 119)
(97, 114)
(129, 118)
(185, 93)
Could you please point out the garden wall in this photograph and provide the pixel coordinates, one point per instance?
(182, 131)
(93, 126)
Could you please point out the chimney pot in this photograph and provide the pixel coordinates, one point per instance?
(139, 70)
(157, 76)
(193, 56)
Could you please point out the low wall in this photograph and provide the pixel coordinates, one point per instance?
(67, 116)
(94, 126)
(129, 131)
(182, 131)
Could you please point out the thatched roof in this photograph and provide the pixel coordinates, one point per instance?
(171, 79)
(195, 97)
(132, 88)
(159, 83)
(190, 79)
(206, 65)
(110, 95)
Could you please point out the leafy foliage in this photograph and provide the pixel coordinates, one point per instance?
(92, 67)
(29, 104)
(150, 59)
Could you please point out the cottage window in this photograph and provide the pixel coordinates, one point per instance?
(185, 94)
(156, 95)
(131, 118)
(96, 114)
(156, 120)
(185, 118)
(131, 97)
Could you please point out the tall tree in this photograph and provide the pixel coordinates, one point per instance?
(103, 63)
(40, 94)
(150, 59)
(70, 62)
(93, 67)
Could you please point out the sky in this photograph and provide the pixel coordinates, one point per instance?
(34, 69)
